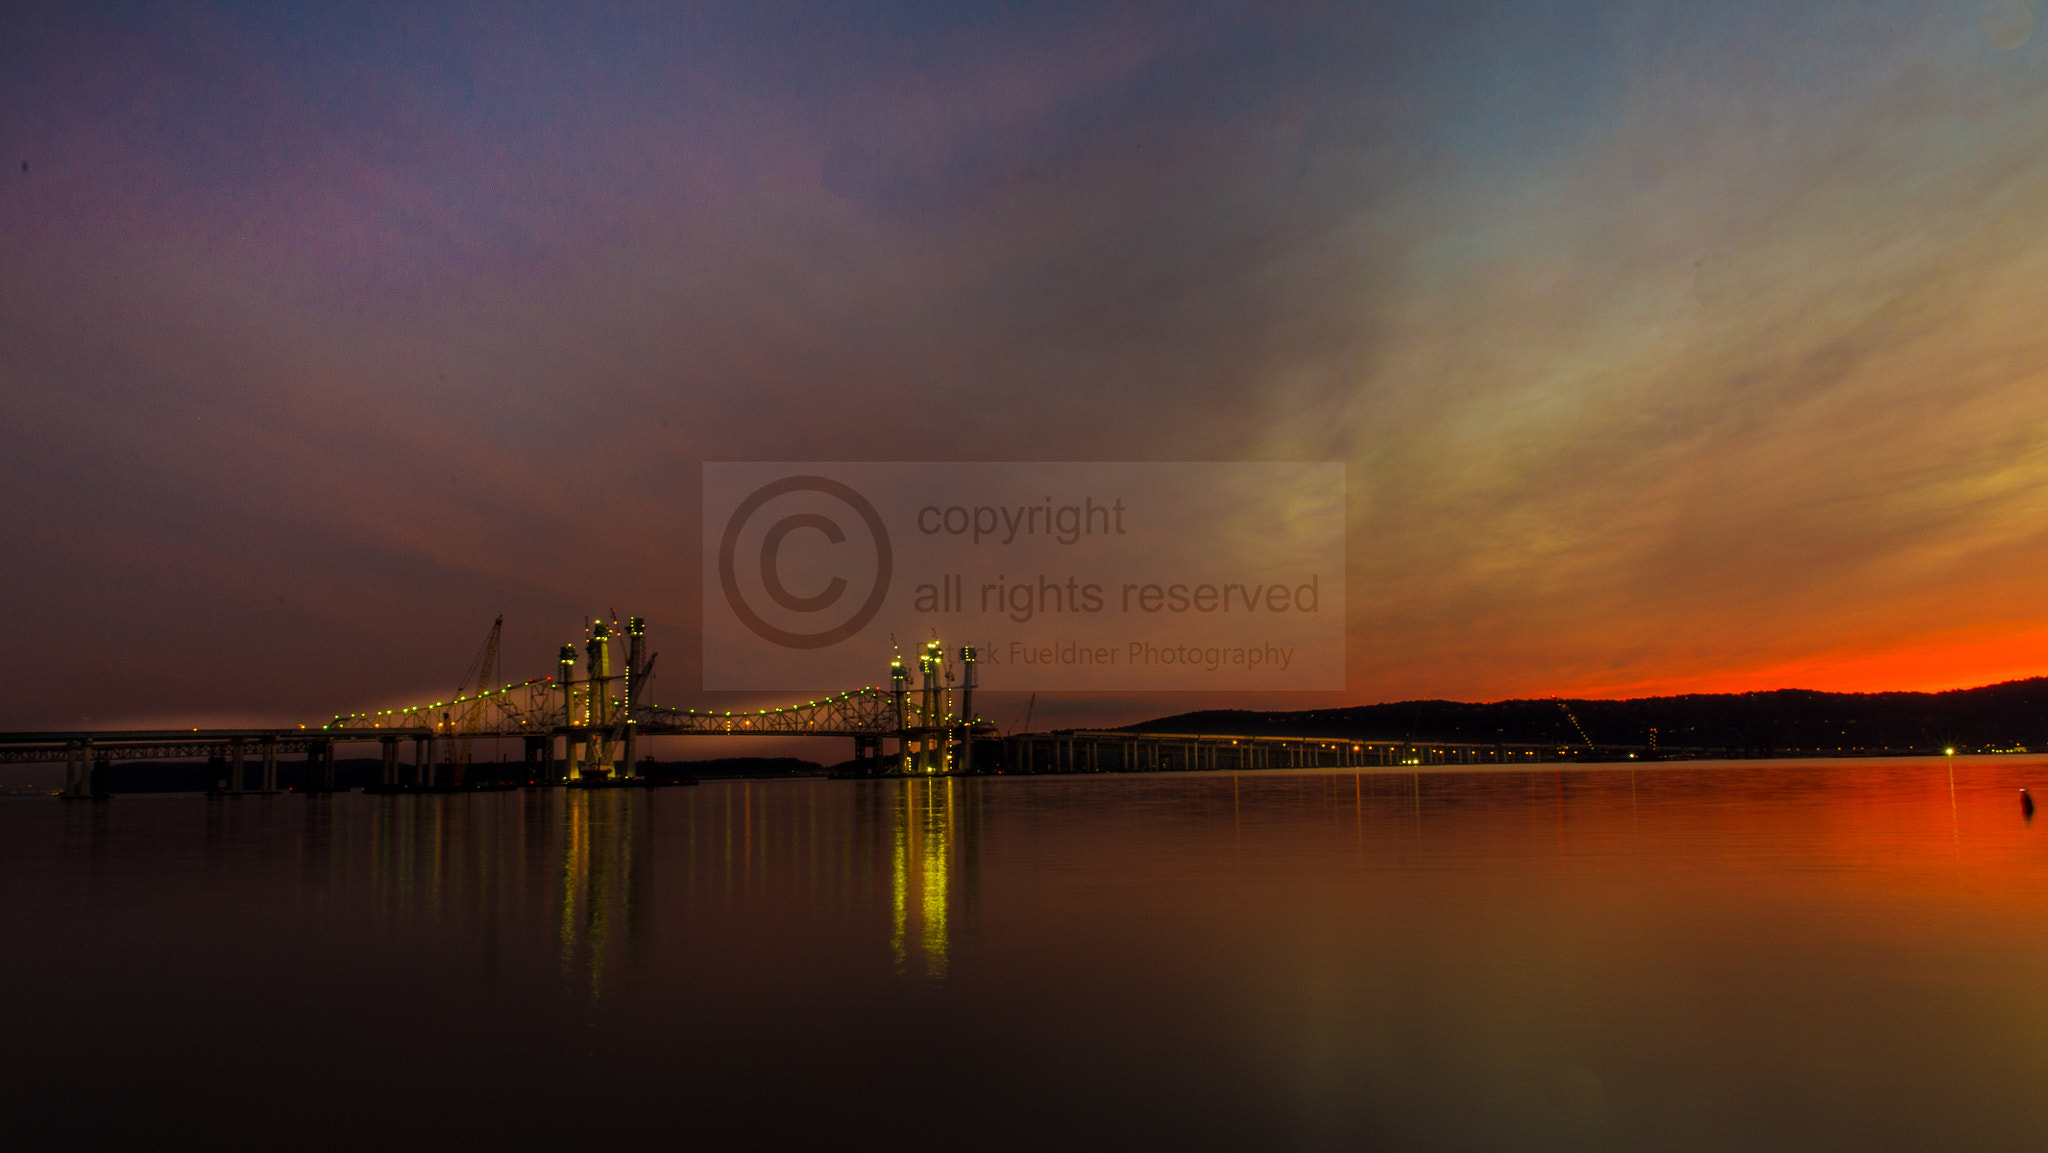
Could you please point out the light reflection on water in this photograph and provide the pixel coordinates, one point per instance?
(1668, 957)
(928, 850)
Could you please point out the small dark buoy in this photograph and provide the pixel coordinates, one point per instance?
(2026, 805)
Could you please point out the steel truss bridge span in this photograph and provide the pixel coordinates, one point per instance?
(602, 713)
(859, 712)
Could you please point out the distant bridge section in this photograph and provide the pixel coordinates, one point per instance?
(1124, 751)
(89, 756)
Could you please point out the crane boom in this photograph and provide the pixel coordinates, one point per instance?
(486, 678)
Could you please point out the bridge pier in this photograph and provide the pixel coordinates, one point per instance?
(87, 774)
(269, 747)
(388, 746)
(319, 766)
(867, 754)
(237, 754)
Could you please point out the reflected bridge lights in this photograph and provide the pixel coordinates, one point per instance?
(931, 871)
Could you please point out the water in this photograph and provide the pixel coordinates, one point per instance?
(1780, 956)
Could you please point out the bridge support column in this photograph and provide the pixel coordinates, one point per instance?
(269, 747)
(237, 755)
(319, 766)
(92, 771)
(539, 758)
(78, 770)
(867, 755)
(388, 746)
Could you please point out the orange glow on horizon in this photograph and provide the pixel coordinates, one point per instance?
(1960, 662)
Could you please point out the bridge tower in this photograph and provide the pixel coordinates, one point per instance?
(967, 677)
(636, 650)
(931, 745)
(567, 657)
(598, 673)
(898, 687)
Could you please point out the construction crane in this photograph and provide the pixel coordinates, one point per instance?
(482, 677)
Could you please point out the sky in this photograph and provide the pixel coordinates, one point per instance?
(1668, 347)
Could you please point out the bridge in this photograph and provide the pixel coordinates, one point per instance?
(585, 732)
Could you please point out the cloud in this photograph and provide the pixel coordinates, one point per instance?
(1664, 344)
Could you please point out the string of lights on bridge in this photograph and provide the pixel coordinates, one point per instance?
(342, 720)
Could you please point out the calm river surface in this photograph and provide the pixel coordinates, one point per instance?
(1766, 956)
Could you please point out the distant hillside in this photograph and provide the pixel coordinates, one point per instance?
(2004, 716)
